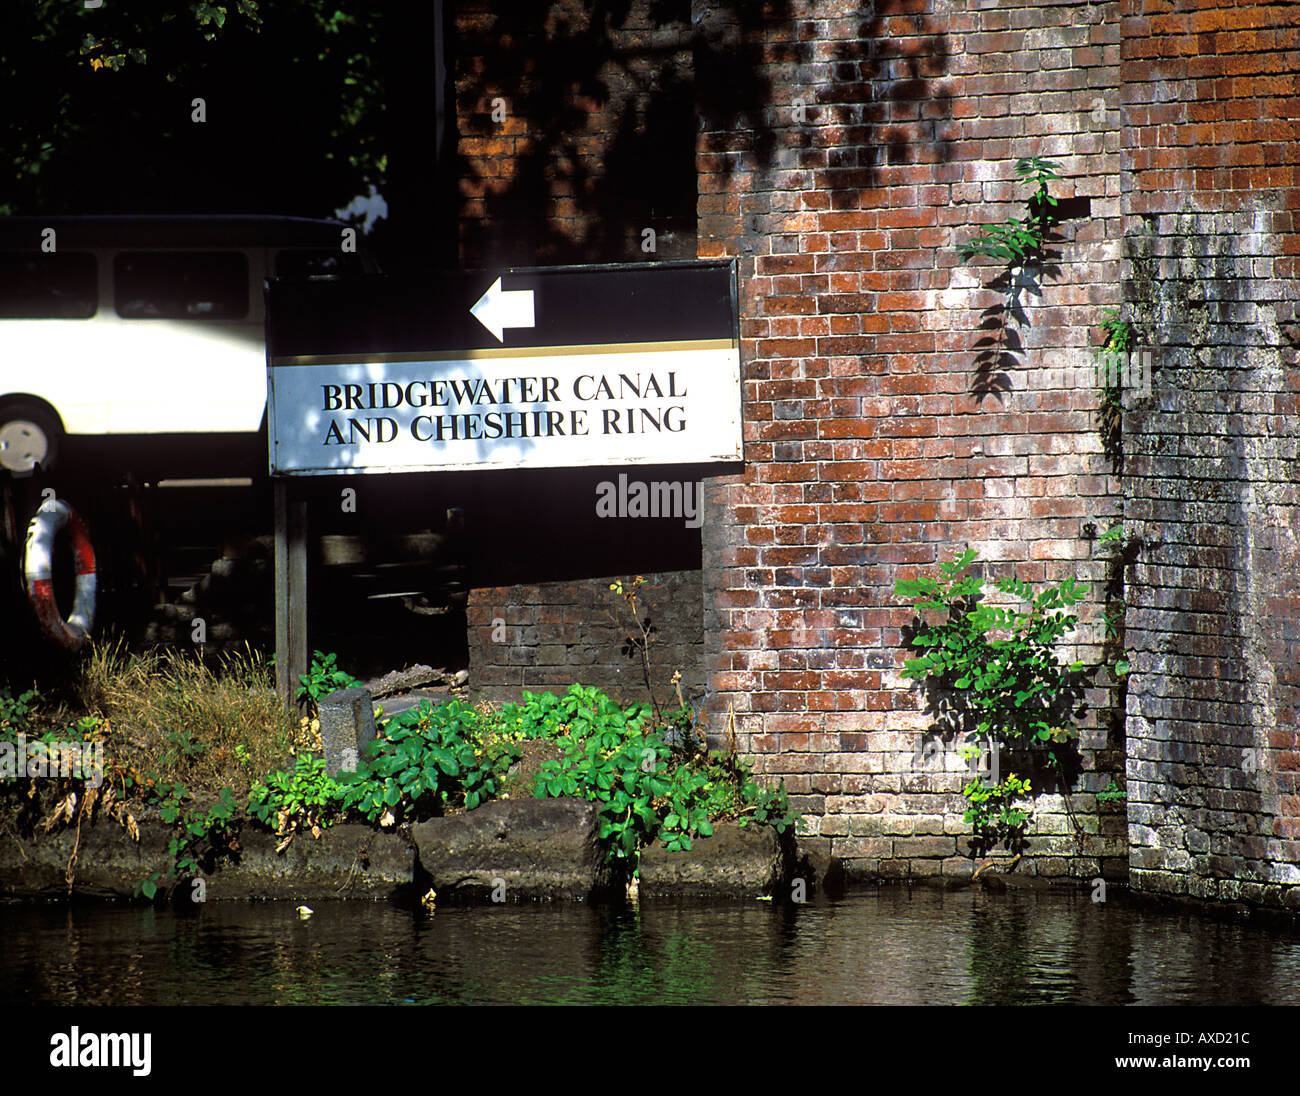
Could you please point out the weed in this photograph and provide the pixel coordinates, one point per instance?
(208, 723)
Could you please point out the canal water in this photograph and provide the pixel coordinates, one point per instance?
(890, 946)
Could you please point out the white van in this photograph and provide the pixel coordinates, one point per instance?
(144, 327)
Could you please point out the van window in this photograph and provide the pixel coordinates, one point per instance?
(181, 285)
(58, 286)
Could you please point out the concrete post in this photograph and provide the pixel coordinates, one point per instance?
(347, 725)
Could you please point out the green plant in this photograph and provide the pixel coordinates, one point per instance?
(324, 677)
(770, 804)
(1120, 334)
(1016, 239)
(610, 759)
(16, 711)
(200, 834)
(424, 759)
(690, 801)
(993, 812)
(1112, 793)
(305, 799)
(1113, 623)
(1004, 657)
(1112, 616)
(682, 722)
(643, 790)
(645, 632)
(1003, 661)
(720, 787)
(1119, 338)
(181, 748)
(1019, 244)
(87, 725)
(581, 710)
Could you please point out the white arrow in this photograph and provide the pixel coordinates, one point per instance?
(498, 309)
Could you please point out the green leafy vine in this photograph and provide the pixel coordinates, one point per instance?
(1002, 660)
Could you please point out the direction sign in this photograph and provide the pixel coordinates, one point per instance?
(541, 367)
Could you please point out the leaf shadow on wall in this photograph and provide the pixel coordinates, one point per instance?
(1000, 349)
(884, 91)
(606, 108)
(601, 124)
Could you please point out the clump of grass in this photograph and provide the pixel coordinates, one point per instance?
(209, 723)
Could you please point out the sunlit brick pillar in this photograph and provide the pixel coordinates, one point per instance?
(1210, 208)
(843, 158)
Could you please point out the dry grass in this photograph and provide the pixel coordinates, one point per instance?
(208, 723)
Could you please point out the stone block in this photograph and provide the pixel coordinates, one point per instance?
(1055, 825)
(518, 849)
(925, 846)
(347, 861)
(928, 826)
(736, 862)
(897, 825)
(815, 863)
(876, 848)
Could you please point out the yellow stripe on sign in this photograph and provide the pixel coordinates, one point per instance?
(505, 352)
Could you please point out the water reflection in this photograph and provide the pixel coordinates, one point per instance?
(895, 945)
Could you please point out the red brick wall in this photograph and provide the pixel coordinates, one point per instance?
(1208, 101)
(876, 445)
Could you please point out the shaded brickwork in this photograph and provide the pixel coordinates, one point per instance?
(548, 635)
(1211, 474)
(881, 435)
(592, 142)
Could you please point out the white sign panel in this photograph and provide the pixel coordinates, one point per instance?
(630, 403)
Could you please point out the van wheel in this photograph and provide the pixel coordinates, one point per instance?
(29, 436)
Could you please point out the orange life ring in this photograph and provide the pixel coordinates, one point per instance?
(54, 517)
